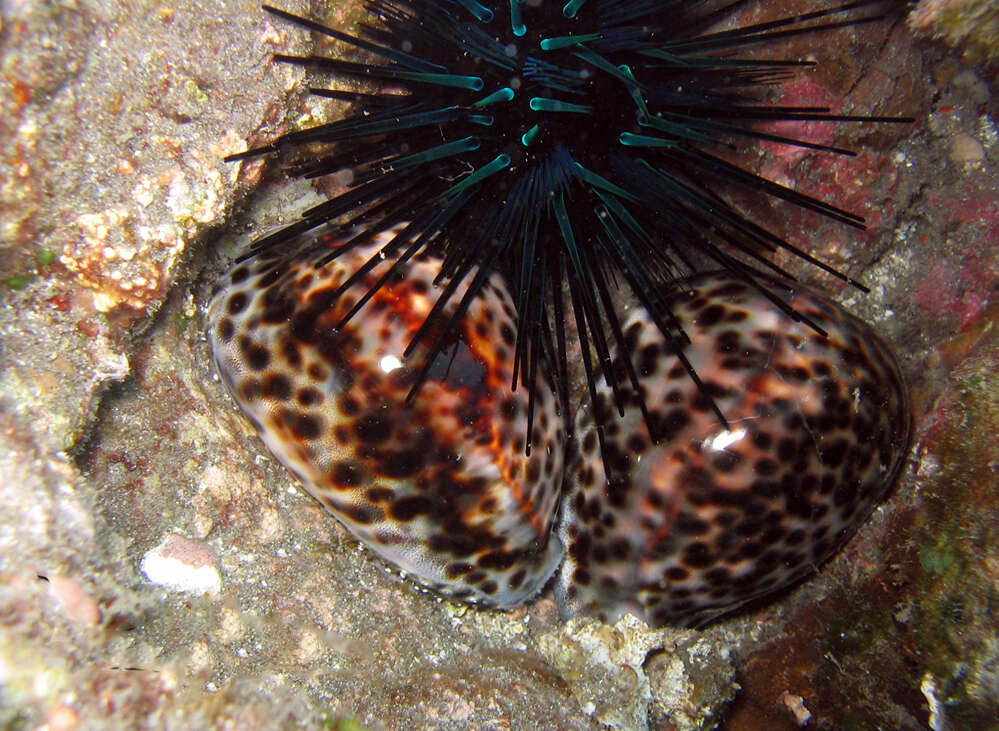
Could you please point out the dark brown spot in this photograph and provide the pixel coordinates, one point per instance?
(677, 573)
(672, 423)
(517, 579)
(348, 474)
(728, 341)
(509, 408)
(845, 493)
(691, 525)
(476, 577)
(737, 316)
(765, 467)
(833, 455)
(724, 519)
(726, 461)
(270, 278)
(277, 308)
(306, 426)
(718, 576)
(661, 616)
(317, 373)
(237, 303)
(379, 494)
(407, 508)
(238, 275)
(786, 450)
(257, 357)
(648, 359)
(765, 488)
(773, 534)
(403, 463)
(373, 428)
(457, 545)
(698, 555)
(497, 560)
(637, 443)
(277, 387)
(364, 514)
(795, 373)
(710, 316)
(728, 290)
(289, 349)
(458, 568)
(249, 389)
(309, 397)
(226, 329)
(534, 470)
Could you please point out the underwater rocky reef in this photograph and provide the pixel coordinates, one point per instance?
(157, 567)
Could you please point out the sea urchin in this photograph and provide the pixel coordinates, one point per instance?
(566, 146)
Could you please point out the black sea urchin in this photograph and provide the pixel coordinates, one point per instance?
(569, 147)
(510, 177)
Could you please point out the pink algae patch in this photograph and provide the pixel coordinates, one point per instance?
(960, 280)
(950, 288)
(982, 208)
(800, 93)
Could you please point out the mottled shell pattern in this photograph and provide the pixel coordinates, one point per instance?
(715, 515)
(710, 517)
(439, 487)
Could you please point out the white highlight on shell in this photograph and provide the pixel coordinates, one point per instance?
(725, 439)
(389, 363)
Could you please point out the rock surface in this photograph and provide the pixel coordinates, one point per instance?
(116, 441)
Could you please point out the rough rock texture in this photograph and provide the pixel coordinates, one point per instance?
(970, 26)
(119, 452)
(628, 676)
